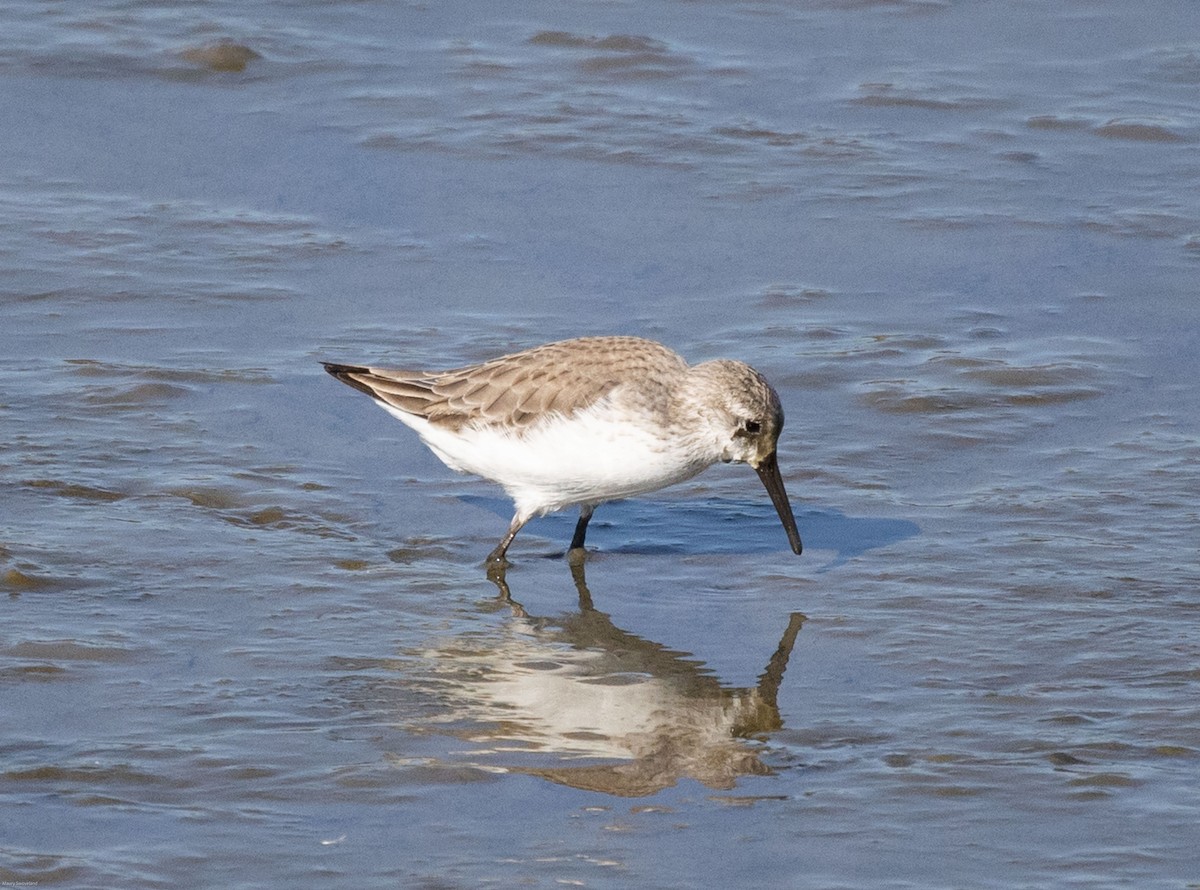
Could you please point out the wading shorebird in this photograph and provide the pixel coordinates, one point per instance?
(585, 421)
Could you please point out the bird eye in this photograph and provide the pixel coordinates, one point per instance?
(750, 427)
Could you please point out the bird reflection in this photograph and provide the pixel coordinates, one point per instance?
(581, 688)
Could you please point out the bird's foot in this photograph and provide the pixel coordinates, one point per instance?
(497, 565)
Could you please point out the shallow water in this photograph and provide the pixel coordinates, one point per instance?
(247, 637)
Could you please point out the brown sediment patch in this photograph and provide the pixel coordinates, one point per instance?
(75, 490)
(1056, 122)
(1138, 131)
(223, 55)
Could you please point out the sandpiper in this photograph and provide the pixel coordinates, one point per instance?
(584, 421)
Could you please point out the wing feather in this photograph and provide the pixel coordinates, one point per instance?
(521, 389)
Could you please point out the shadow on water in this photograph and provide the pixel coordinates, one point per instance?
(709, 526)
(616, 713)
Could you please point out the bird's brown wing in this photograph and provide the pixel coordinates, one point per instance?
(517, 390)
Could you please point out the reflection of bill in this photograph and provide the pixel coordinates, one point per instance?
(581, 689)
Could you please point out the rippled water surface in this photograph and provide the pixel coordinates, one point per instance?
(247, 638)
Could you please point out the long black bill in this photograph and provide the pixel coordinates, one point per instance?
(768, 472)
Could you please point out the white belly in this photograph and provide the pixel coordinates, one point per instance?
(594, 456)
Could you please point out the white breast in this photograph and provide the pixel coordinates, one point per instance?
(593, 456)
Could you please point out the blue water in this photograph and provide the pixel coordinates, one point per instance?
(247, 637)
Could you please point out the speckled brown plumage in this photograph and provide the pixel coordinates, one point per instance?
(518, 390)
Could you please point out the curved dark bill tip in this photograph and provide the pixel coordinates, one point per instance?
(768, 472)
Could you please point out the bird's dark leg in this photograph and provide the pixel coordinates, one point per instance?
(496, 557)
(585, 514)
